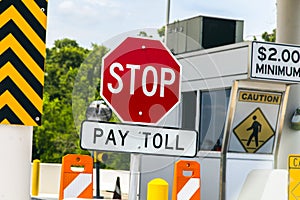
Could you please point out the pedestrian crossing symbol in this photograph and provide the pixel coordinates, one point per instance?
(254, 131)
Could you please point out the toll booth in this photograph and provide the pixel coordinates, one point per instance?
(230, 105)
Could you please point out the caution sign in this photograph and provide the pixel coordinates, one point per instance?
(259, 97)
(294, 177)
(22, 57)
(254, 131)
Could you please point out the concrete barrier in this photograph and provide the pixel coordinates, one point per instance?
(49, 178)
(50, 181)
(265, 185)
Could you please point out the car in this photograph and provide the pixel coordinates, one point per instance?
(295, 122)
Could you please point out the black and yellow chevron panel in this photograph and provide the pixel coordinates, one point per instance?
(22, 59)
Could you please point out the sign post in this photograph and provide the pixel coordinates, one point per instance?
(135, 162)
(140, 81)
(22, 55)
(137, 140)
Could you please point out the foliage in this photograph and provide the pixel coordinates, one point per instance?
(118, 161)
(72, 79)
(161, 31)
(86, 88)
(269, 37)
(57, 136)
(144, 34)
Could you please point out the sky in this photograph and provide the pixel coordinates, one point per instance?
(100, 21)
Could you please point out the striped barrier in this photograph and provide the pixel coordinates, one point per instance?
(76, 177)
(186, 182)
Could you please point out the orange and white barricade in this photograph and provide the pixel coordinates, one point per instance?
(76, 179)
(186, 182)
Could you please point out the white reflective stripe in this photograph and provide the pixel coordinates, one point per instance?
(189, 189)
(78, 185)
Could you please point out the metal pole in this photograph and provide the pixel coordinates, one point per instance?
(168, 12)
(97, 110)
(167, 19)
(135, 160)
(97, 172)
(97, 168)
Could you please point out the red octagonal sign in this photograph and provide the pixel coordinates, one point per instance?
(141, 80)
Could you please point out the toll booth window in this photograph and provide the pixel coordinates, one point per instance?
(189, 100)
(213, 110)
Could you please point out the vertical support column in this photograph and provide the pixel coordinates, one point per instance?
(16, 147)
(135, 161)
(21, 95)
(288, 21)
(288, 31)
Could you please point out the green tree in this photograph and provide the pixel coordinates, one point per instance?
(269, 37)
(58, 136)
(86, 89)
(87, 84)
(62, 63)
(161, 31)
(72, 80)
(144, 34)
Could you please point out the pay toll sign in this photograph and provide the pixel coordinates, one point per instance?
(104, 136)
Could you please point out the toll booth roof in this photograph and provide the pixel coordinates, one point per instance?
(216, 67)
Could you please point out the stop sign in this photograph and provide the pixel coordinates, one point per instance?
(140, 80)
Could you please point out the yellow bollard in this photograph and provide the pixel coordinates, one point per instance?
(35, 178)
(157, 189)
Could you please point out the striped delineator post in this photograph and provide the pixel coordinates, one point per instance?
(76, 179)
(186, 182)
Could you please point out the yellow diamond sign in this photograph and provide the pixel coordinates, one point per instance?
(254, 131)
(294, 178)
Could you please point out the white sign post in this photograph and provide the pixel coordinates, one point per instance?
(147, 77)
(137, 140)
